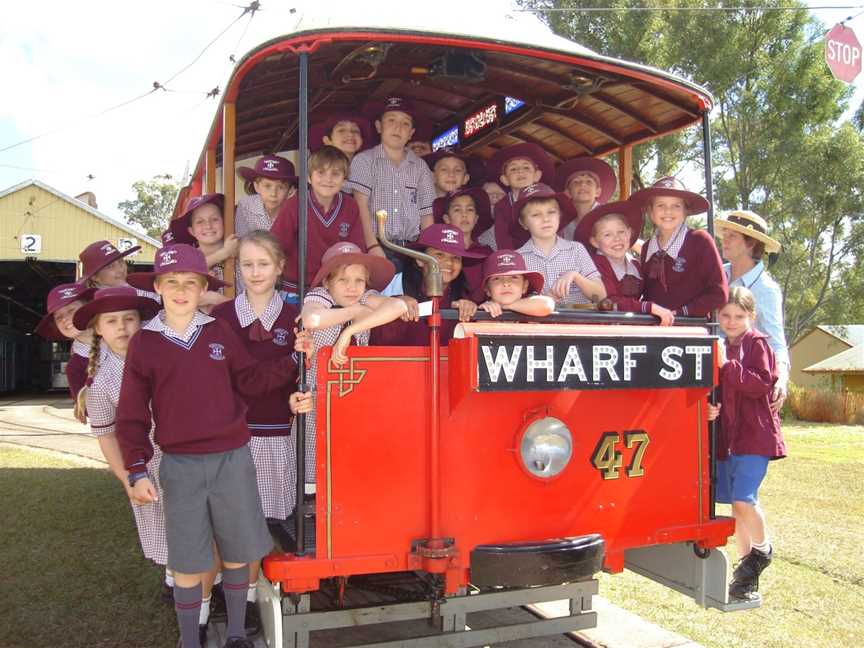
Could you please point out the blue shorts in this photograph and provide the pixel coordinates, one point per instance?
(739, 478)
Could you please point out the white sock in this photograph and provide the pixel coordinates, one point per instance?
(310, 489)
(205, 611)
(764, 546)
(169, 577)
(218, 578)
(252, 593)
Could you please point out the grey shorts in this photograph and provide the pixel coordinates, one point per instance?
(207, 498)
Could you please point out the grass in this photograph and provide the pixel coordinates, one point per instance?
(71, 569)
(813, 592)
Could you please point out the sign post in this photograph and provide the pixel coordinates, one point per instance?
(843, 53)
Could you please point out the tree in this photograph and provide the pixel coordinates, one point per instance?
(153, 205)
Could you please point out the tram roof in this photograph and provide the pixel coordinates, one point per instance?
(578, 102)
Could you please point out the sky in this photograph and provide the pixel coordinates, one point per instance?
(65, 63)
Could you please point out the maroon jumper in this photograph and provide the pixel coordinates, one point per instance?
(623, 292)
(76, 374)
(509, 234)
(472, 270)
(695, 283)
(748, 425)
(193, 390)
(402, 333)
(325, 228)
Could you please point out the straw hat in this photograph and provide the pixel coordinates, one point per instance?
(750, 224)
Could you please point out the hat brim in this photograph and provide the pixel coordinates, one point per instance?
(481, 204)
(536, 280)
(772, 246)
(381, 271)
(144, 305)
(495, 165)
(110, 260)
(146, 281)
(695, 203)
(179, 228)
(599, 168)
(417, 245)
(249, 174)
(631, 212)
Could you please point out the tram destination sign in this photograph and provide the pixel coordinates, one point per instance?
(506, 363)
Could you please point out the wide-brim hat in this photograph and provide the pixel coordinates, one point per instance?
(509, 263)
(100, 254)
(319, 129)
(60, 297)
(377, 107)
(381, 271)
(540, 191)
(178, 229)
(481, 204)
(631, 212)
(111, 300)
(750, 224)
(474, 164)
(670, 186)
(270, 166)
(176, 258)
(598, 168)
(527, 150)
(445, 238)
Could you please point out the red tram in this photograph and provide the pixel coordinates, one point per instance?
(510, 467)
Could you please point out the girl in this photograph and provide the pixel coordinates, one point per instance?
(103, 265)
(347, 132)
(447, 245)
(588, 182)
(343, 305)
(115, 315)
(469, 211)
(681, 266)
(510, 286)
(266, 325)
(610, 231)
(268, 184)
(749, 435)
(57, 326)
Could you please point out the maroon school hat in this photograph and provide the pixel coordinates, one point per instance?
(510, 262)
(474, 165)
(481, 204)
(527, 150)
(175, 258)
(381, 271)
(598, 168)
(100, 254)
(375, 108)
(670, 186)
(111, 300)
(270, 166)
(60, 297)
(178, 229)
(319, 129)
(445, 238)
(631, 212)
(540, 191)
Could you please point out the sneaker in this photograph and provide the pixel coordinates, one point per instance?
(202, 635)
(745, 578)
(253, 619)
(239, 642)
(217, 602)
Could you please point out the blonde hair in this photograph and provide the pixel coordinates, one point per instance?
(329, 156)
(335, 272)
(266, 240)
(743, 298)
(605, 218)
(92, 368)
(539, 201)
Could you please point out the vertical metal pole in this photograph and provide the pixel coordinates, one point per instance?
(709, 196)
(625, 172)
(302, 212)
(229, 136)
(210, 170)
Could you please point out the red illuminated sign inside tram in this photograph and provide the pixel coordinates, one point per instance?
(480, 120)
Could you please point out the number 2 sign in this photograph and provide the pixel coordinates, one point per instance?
(31, 244)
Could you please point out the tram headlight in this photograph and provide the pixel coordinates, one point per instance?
(546, 447)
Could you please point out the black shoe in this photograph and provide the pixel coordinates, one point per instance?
(745, 578)
(237, 642)
(167, 594)
(253, 619)
(202, 635)
(217, 602)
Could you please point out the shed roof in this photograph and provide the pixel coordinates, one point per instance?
(848, 361)
(851, 334)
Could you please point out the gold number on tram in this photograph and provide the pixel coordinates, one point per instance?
(606, 459)
(640, 439)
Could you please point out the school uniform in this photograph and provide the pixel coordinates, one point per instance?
(623, 283)
(325, 227)
(509, 234)
(76, 368)
(103, 397)
(269, 416)
(402, 333)
(322, 338)
(250, 215)
(190, 382)
(565, 256)
(687, 276)
(472, 269)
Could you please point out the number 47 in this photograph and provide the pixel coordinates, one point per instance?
(609, 461)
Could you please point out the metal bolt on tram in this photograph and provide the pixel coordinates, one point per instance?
(510, 467)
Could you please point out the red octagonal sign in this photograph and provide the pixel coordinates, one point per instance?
(843, 53)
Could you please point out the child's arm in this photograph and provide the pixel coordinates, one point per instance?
(467, 309)
(360, 178)
(535, 306)
(318, 316)
(752, 375)
(301, 402)
(425, 197)
(382, 310)
(593, 289)
(102, 424)
(366, 223)
(133, 411)
(227, 251)
(716, 288)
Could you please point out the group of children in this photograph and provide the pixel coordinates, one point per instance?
(193, 395)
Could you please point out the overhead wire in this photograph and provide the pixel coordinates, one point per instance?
(680, 8)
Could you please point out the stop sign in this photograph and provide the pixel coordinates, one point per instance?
(843, 53)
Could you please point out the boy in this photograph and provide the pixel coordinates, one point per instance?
(452, 170)
(510, 286)
(562, 263)
(516, 167)
(332, 216)
(589, 183)
(183, 366)
(347, 132)
(391, 177)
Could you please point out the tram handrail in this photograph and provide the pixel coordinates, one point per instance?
(579, 317)
(433, 283)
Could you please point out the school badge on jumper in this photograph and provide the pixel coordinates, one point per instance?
(343, 230)
(280, 337)
(678, 264)
(217, 351)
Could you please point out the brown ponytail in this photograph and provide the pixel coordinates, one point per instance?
(92, 370)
